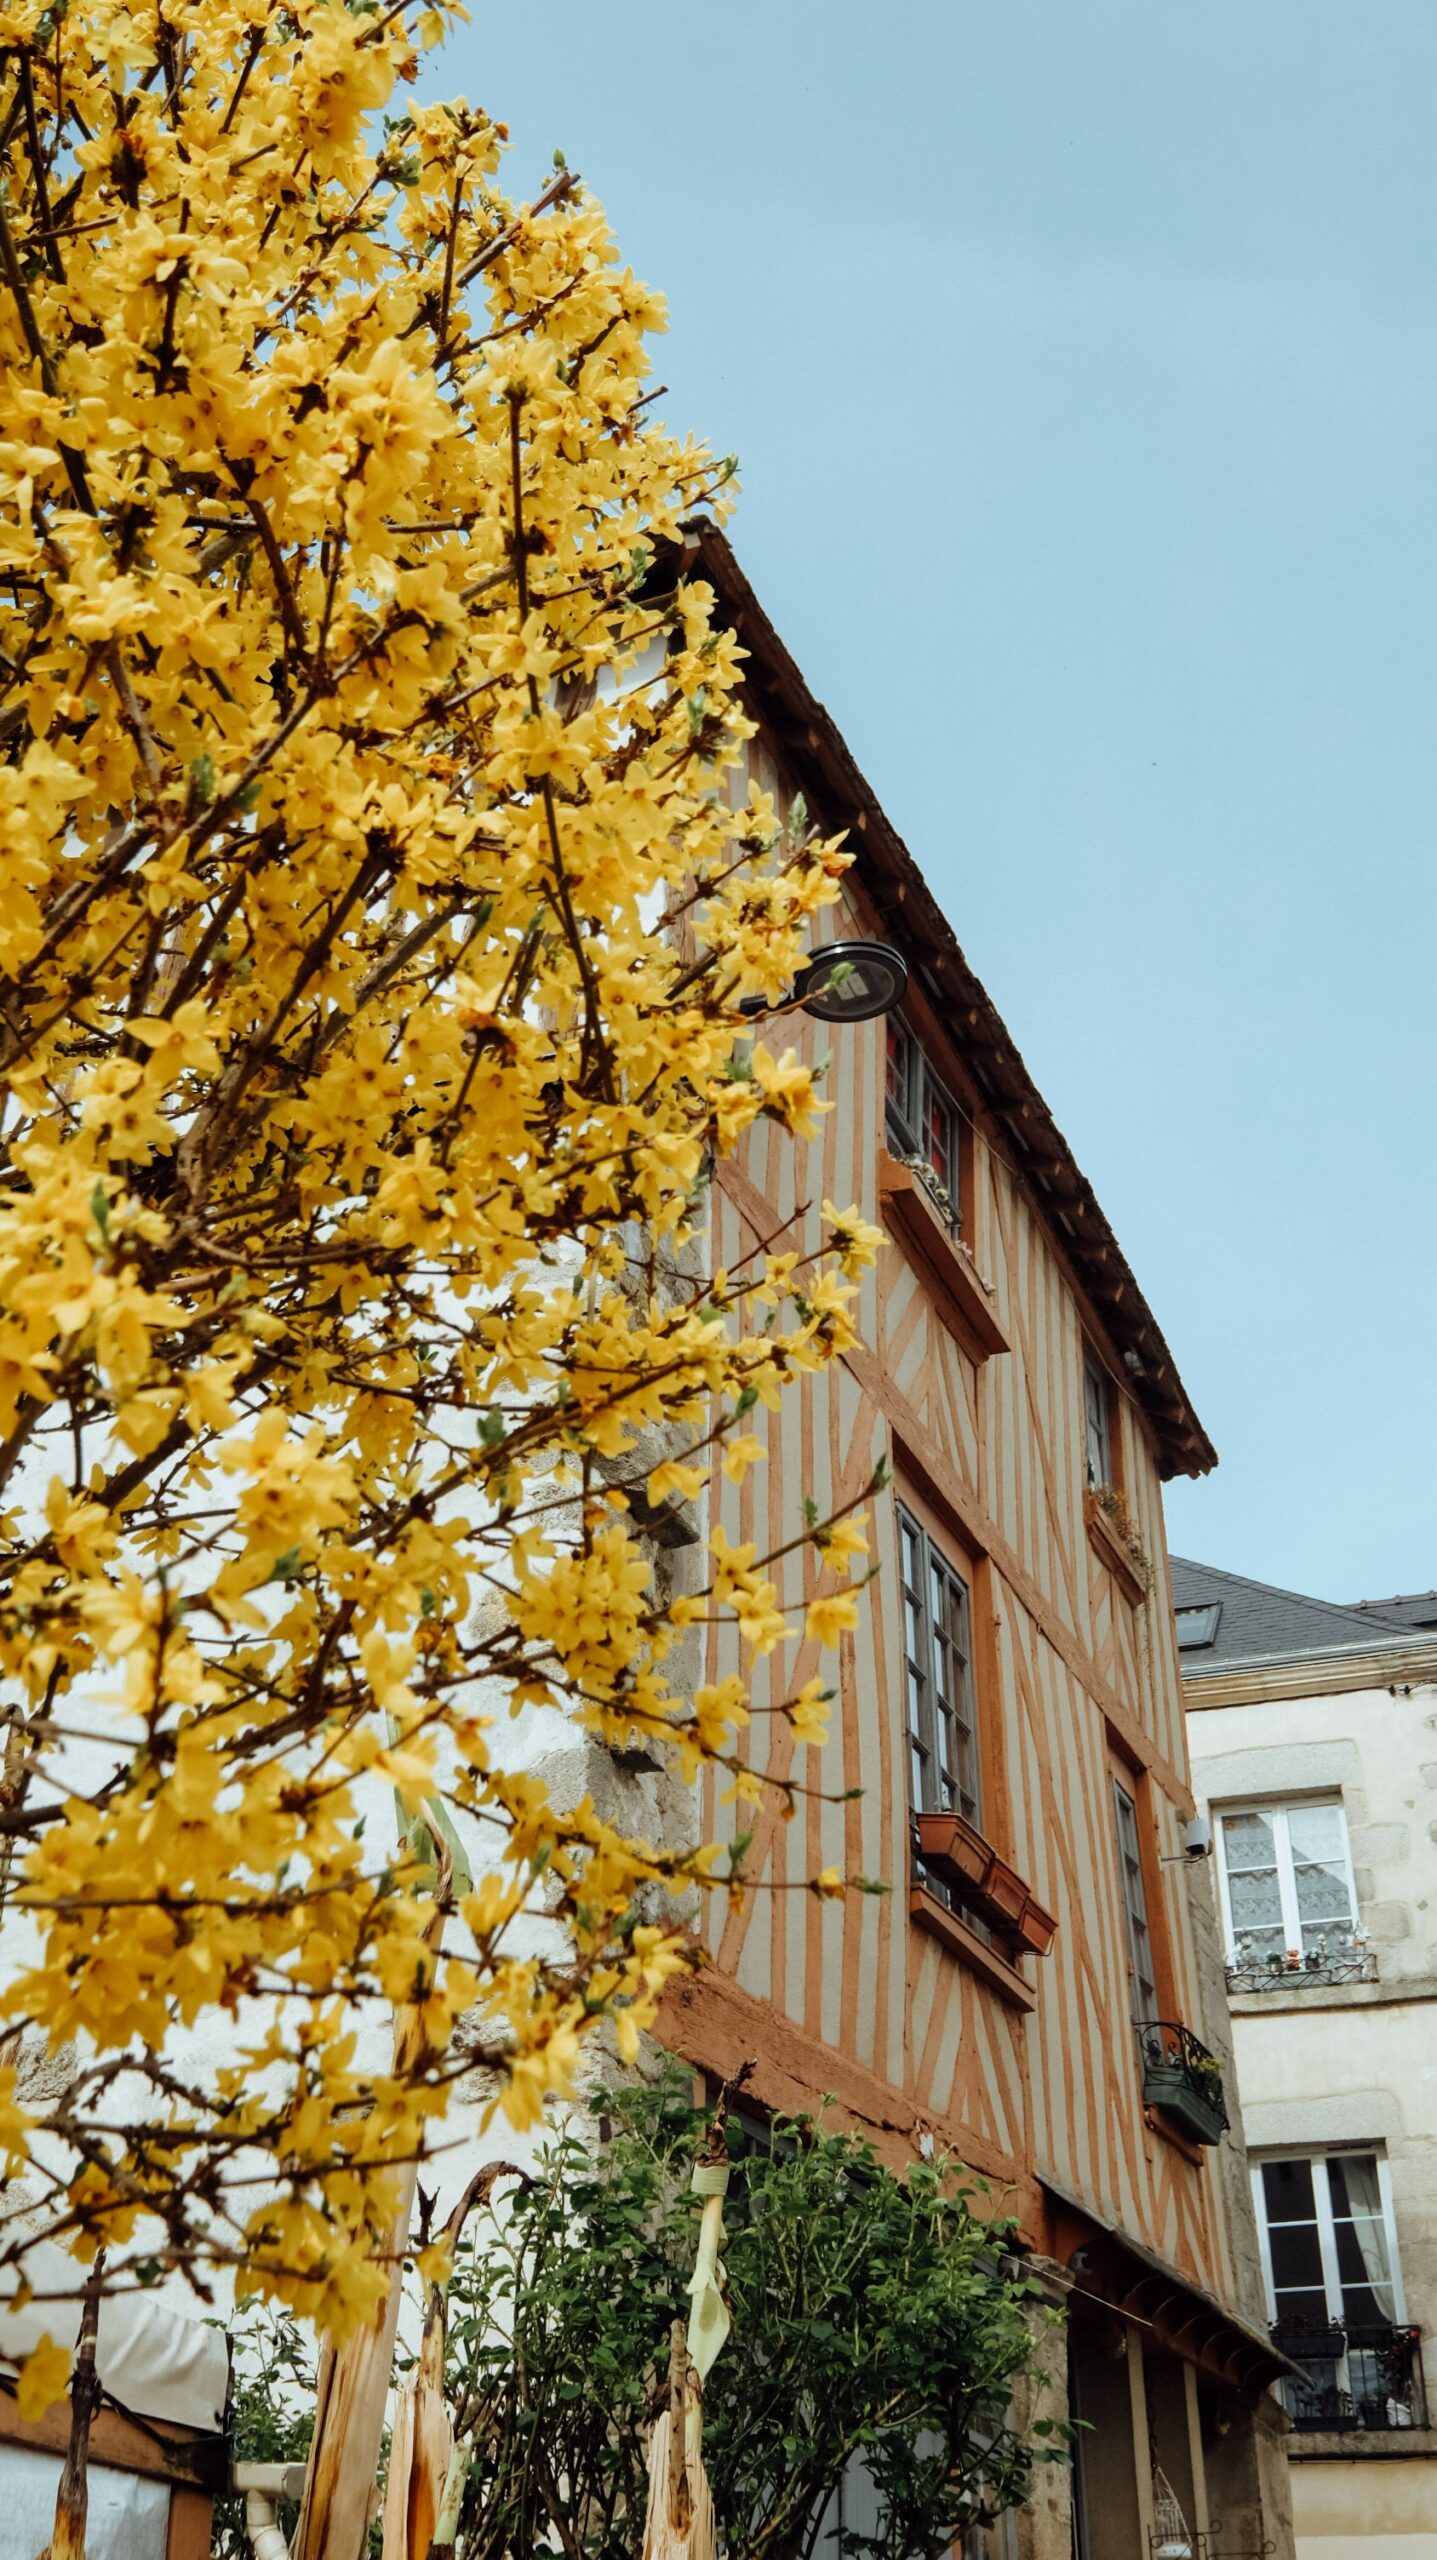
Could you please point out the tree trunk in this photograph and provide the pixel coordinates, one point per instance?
(350, 2400)
(353, 2386)
(72, 2499)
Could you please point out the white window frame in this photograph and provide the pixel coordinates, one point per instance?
(1276, 1810)
(1326, 2228)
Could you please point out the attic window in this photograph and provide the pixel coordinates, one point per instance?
(1197, 1627)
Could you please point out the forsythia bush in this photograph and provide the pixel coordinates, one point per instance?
(379, 889)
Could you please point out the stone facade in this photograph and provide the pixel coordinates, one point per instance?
(1341, 2058)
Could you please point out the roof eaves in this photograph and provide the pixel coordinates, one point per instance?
(1382, 1640)
(813, 744)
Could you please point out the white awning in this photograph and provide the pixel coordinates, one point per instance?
(151, 2358)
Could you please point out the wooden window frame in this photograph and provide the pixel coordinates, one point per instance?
(1107, 1429)
(906, 1119)
(923, 1741)
(1133, 1866)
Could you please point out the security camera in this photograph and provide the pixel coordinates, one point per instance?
(1197, 1842)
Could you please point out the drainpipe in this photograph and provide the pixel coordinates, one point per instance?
(262, 2485)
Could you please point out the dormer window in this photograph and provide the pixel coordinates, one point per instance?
(922, 1123)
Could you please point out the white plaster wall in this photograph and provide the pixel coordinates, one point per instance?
(1364, 2510)
(1380, 1753)
(1353, 2063)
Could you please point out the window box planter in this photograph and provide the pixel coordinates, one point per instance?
(1038, 1927)
(1007, 1893)
(961, 1297)
(946, 1841)
(1313, 2342)
(1181, 2079)
(1167, 2086)
(983, 1882)
(1124, 1563)
(980, 1955)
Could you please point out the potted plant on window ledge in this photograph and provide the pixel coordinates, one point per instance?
(1182, 2080)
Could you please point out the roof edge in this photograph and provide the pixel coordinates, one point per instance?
(1275, 1679)
(1383, 1640)
(813, 745)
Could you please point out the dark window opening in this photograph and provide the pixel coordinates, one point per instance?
(938, 1678)
(921, 1121)
(1141, 1970)
(1097, 1424)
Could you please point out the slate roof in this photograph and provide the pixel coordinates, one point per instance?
(1258, 1618)
(1416, 1610)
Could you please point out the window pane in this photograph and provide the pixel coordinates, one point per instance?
(1287, 2191)
(943, 1768)
(1364, 2262)
(940, 1138)
(1303, 2307)
(1140, 1959)
(1316, 1831)
(1369, 2381)
(1324, 1904)
(1353, 2182)
(898, 1056)
(1322, 1891)
(1296, 2257)
(1256, 1901)
(1249, 1840)
(1364, 2274)
(1095, 1416)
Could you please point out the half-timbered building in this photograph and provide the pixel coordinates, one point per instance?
(1038, 1989)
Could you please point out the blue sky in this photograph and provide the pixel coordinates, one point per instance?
(1080, 360)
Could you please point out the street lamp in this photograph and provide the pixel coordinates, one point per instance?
(845, 982)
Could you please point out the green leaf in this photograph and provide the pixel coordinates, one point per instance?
(100, 1209)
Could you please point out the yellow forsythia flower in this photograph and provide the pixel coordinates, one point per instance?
(44, 2378)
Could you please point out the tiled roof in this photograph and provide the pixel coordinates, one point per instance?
(1257, 1618)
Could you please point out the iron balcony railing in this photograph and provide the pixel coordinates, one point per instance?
(1181, 2078)
(1355, 2375)
(1346, 1959)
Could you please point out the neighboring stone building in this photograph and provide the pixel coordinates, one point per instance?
(1313, 1736)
